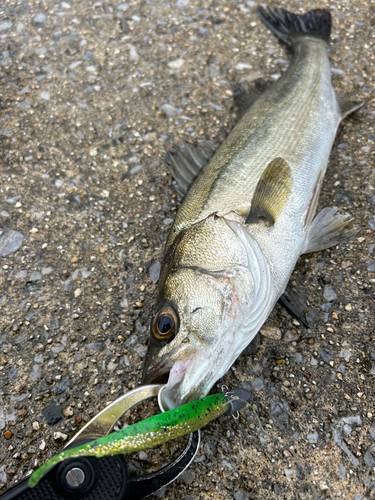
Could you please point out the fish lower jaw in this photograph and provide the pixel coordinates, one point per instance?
(171, 394)
(178, 370)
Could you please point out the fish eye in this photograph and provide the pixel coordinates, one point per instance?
(164, 325)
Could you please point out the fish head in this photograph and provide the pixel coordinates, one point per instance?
(199, 327)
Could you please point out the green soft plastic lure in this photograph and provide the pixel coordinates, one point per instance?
(150, 432)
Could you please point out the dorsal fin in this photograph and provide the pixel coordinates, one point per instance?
(246, 93)
(272, 193)
(185, 162)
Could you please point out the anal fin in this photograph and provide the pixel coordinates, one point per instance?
(272, 193)
(327, 230)
(347, 106)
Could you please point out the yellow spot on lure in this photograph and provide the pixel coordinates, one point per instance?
(154, 430)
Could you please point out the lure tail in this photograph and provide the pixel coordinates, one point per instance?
(39, 473)
(289, 27)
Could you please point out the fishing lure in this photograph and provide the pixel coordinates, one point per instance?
(154, 430)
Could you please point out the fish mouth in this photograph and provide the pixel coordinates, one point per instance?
(170, 370)
(157, 375)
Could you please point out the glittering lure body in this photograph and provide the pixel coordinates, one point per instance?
(247, 216)
(148, 433)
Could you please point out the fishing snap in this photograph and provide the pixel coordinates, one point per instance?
(161, 403)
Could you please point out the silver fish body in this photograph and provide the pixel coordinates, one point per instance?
(296, 120)
(245, 221)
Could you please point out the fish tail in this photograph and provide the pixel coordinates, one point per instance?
(289, 27)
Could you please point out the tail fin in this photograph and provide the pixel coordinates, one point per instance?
(286, 25)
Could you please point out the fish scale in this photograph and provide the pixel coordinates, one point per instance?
(229, 180)
(260, 188)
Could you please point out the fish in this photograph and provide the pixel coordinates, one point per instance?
(247, 216)
(153, 431)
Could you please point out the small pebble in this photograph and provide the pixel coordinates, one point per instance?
(60, 436)
(154, 271)
(323, 486)
(188, 476)
(370, 456)
(3, 476)
(52, 412)
(228, 463)
(10, 242)
(342, 444)
(347, 429)
(241, 495)
(291, 335)
(161, 493)
(258, 384)
(133, 52)
(329, 293)
(40, 18)
(271, 331)
(241, 66)
(313, 438)
(176, 64)
(169, 110)
(68, 411)
(35, 276)
(354, 421)
(326, 354)
(5, 25)
(68, 286)
(35, 373)
(345, 353)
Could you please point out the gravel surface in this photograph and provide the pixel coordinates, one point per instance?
(90, 91)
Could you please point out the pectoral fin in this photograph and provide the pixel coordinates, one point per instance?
(327, 230)
(271, 193)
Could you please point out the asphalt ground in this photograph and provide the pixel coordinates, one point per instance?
(90, 92)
